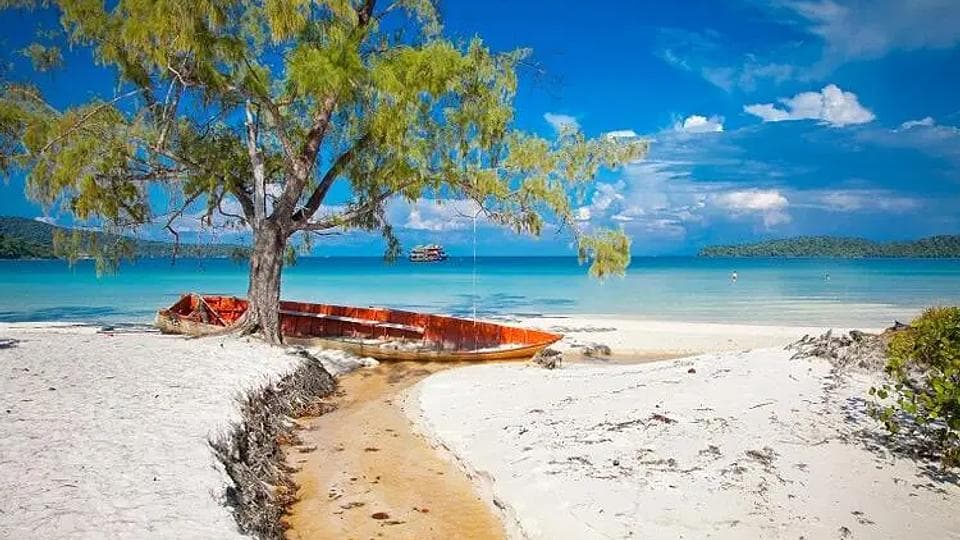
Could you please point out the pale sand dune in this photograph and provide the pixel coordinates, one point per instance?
(105, 435)
(747, 445)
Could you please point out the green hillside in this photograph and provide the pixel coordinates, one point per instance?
(945, 246)
(24, 238)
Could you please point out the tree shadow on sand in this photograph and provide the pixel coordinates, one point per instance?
(910, 443)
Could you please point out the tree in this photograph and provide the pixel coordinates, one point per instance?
(264, 105)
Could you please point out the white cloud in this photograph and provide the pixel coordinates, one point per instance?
(708, 54)
(857, 30)
(831, 105)
(561, 122)
(700, 124)
(926, 121)
(771, 204)
(925, 135)
(621, 134)
(866, 200)
(435, 215)
(582, 214)
(46, 219)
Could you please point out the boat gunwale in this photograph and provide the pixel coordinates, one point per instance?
(170, 321)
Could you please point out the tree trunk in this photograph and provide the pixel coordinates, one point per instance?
(266, 264)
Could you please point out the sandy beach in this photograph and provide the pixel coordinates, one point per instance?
(105, 434)
(744, 444)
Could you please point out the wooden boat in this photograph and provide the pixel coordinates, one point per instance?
(384, 334)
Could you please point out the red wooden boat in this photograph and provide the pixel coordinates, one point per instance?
(384, 334)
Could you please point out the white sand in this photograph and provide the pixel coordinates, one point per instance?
(749, 445)
(633, 336)
(105, 436)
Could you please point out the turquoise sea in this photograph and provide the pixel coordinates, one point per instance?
(871, 292)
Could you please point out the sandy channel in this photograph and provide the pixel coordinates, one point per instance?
(364, 473)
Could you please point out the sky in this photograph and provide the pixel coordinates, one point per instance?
(766, 119)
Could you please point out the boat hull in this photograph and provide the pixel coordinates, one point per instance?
(383, 334)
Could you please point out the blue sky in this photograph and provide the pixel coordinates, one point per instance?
(767, 119)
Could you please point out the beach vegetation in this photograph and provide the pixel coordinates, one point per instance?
(922, 396)
(256, 111)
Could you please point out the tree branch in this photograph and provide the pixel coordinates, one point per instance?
(320, 192)
(351, 215)
(306, 160)
(256, 159)
(79, 123)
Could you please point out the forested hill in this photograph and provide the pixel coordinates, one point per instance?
(23, 238)
(830, 246)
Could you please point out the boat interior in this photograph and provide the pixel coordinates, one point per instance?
(371, 327)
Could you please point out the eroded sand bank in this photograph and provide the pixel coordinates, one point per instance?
(104, 434)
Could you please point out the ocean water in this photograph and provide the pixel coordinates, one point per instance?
(871, 292)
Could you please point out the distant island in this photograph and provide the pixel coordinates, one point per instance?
(944, 246)
(24, 238)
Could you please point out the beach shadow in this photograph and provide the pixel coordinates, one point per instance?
(909, 444)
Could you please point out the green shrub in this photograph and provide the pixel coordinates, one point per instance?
(924, 383)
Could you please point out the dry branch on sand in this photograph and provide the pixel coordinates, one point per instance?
(853, 350)
(251, 451)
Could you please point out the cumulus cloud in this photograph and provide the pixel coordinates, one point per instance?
(831, 105)
(858, 30)
(771, 205)
(582, 214)
(561, 122)
(700, 124)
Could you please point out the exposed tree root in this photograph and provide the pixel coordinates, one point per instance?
(250, 452)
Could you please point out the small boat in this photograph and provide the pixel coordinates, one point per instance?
(428, 253)
(384, 334)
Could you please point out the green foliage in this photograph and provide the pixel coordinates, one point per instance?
(218, 99)
(609, 252)
(44, 58)
(827, 246)
(923, 392)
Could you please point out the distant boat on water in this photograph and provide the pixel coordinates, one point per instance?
(428, 253)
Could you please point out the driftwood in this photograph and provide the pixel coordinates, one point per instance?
(854, 350)
(250, 452)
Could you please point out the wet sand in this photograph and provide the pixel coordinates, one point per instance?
(364, 473)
